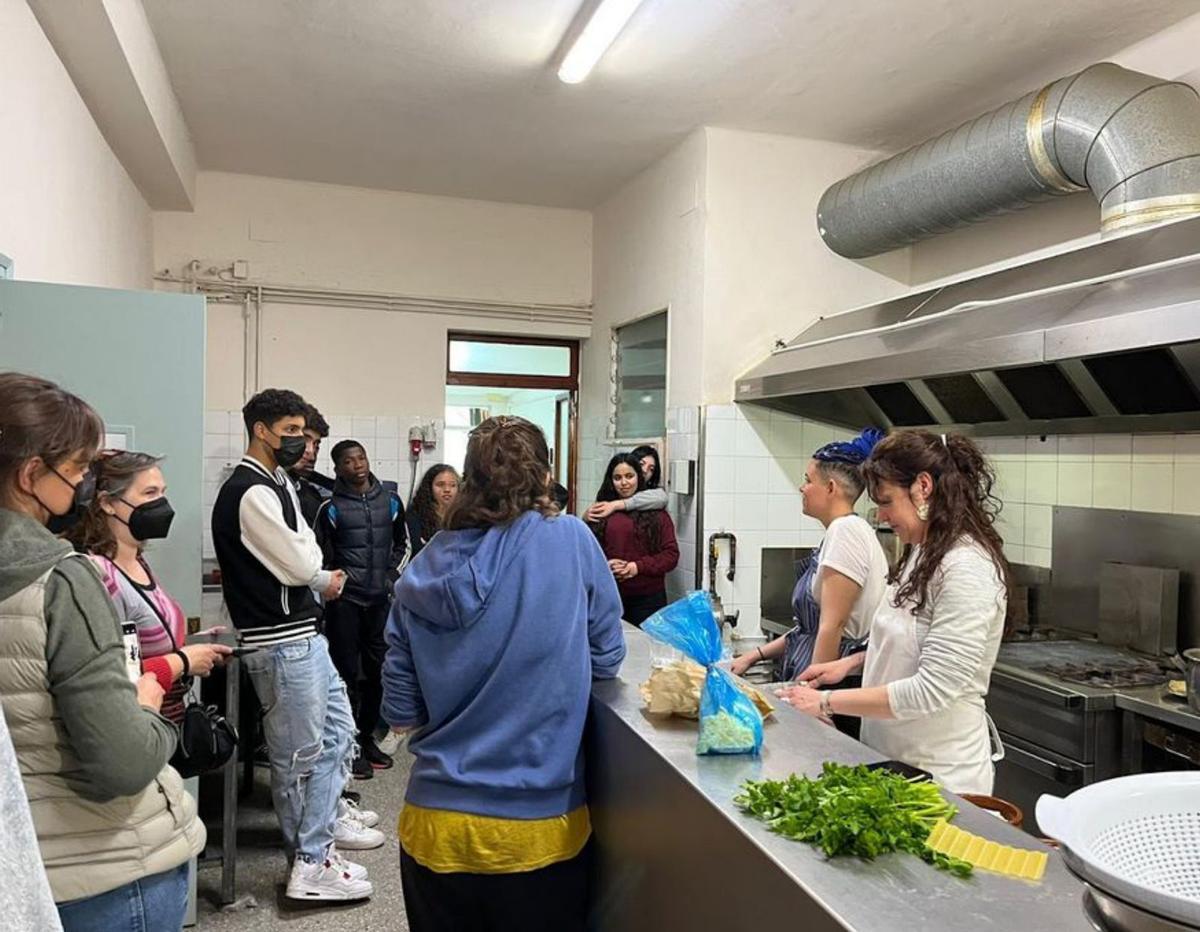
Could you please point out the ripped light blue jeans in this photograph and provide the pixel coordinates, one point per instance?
(310, 738)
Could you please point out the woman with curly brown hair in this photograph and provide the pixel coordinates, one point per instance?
(640, 545)
(495, 636)
(935, 637)
(131, 508)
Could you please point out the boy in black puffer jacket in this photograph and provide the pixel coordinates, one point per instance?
(361, 530)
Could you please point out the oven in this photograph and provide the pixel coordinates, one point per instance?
(1056, 738)
(1153, 746)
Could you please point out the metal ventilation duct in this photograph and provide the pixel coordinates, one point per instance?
(1131, 138)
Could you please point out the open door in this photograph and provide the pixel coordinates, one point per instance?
(534, 377)
(138, 358)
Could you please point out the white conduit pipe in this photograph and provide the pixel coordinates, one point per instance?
(225, 291)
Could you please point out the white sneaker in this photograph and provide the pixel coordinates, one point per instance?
(349, 834)
(338, 860)
(324, 880)
(390, 743)
(347, 807)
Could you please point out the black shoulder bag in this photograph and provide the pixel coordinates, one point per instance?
(206, 739)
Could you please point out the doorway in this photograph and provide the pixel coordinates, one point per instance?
(531, 377)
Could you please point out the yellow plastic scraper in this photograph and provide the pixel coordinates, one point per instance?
(987, 855)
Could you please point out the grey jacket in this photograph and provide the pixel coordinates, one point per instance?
(106, 808)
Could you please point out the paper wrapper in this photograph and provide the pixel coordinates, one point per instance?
(675, 690)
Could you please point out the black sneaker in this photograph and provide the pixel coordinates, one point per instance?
(375, 757)
(354, 797)
(361, 769)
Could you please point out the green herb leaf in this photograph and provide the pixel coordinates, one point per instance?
(853, 811)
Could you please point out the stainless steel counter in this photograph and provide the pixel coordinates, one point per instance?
(675, 853)
(1150, 702)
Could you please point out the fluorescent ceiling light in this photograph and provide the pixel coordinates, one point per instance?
(606, 23)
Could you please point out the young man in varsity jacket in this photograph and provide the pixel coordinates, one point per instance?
(270, 567)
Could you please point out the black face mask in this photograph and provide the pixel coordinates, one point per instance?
(290, 449)
(85, 491)
(150, 520)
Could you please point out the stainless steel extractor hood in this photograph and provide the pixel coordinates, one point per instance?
(1102, 339)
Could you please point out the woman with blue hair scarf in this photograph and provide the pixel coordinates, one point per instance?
(844, 579)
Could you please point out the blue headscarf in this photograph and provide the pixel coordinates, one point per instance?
(853, 452)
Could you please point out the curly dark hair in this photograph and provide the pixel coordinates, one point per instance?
(423, 504)
(962, 504)
(506, 473)
(315, 421)
(115, 473)
(645, 522)
(272, 405)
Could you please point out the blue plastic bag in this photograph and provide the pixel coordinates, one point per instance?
(729, 721)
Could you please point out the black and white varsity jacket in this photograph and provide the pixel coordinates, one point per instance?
(269, 557)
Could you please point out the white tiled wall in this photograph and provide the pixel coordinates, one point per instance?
(1143, 472)
(683, 441)
(754, 465)
(385, 437)
(593, 456)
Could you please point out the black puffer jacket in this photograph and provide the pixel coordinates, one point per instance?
(363, 534)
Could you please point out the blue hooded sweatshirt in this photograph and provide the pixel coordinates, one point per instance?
(494, 639)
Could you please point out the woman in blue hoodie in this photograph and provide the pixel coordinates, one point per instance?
(493, 642)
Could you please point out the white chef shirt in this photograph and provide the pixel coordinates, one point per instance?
(851, 548)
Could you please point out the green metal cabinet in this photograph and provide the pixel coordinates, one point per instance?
(138, 357)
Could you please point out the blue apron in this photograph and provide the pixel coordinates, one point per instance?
(801, 641)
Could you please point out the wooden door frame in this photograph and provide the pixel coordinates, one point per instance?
(563, 383)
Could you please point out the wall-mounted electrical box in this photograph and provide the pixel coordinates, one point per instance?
(681, 476)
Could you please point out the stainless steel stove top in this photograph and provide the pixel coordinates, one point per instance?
(1085, 663)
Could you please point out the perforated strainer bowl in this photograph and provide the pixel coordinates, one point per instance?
(1137, 838)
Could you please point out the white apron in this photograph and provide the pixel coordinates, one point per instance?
(957, 745)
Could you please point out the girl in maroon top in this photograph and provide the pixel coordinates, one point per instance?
(640, 545)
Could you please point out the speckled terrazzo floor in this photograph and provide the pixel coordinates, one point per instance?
(261, 868)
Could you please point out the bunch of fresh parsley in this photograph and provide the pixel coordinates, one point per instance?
(855, 811)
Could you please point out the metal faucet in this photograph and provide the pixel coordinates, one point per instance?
(713, 557)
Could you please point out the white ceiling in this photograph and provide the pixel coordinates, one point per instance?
(459, 97)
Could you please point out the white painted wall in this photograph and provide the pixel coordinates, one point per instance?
(767, 274)
(649, 255)
(298, 233)
(301, 233)
(68, 210)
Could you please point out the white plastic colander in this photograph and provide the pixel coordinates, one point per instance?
(1137, 838)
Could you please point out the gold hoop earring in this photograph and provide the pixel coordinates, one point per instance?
(923, 511)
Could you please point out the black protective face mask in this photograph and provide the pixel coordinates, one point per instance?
(85, 491)
(290, 449)
(150, 520)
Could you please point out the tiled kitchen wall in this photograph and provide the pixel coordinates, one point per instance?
(754, 464)
(595, 450)
(593, 456)
(1143, 472)
(683, 442)
(385, 438)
